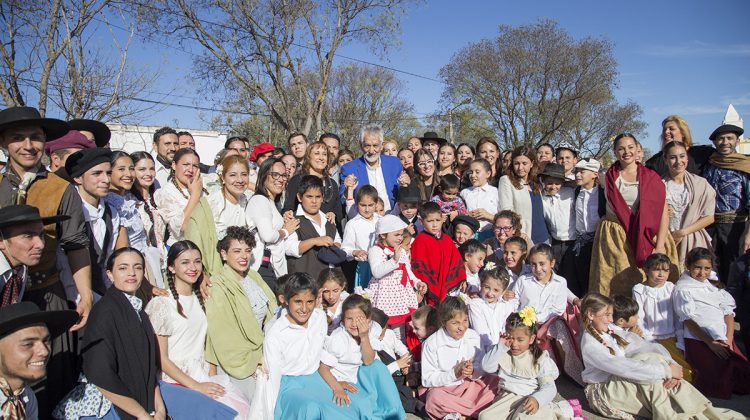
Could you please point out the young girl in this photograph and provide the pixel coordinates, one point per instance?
(621, 367)
(359, 233)
(473, 254)
(451, 205)
(655, 309)
(543, 290)
(180, 324)
(481, 198)
(353, 347)
(527, 374)
(451, 366)
(393, 288)
(332, 288)
(707, 317)
(314, 232)
(299, 384)
(488, 312)
(514, 258)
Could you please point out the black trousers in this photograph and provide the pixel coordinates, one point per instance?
(579, 281)
(564, 258)
(726, 238)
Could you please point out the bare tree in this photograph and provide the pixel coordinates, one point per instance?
(536, 84)
(268, 47)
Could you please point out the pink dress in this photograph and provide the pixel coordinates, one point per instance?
(392, 286)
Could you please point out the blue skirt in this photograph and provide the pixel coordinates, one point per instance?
(362, 275)
(309, 397)
(377, 384)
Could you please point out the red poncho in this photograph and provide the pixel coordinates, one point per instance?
(436, 262)
(642, 226)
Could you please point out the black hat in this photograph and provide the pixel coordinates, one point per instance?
(24, 314)
(408, 194)
(21, 213)
(99, 129)
(554, 170)
(26, 115)
(85, 159)
(331, 255)
(726, 128)
(433, 137)
(469, 221)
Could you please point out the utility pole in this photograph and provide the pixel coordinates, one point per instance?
(450, 117)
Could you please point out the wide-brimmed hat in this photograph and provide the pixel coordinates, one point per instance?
(433, 137)
(101, 132)
(408, 194)
(554, 170)
(72, 140)
(83, 160)
(26, 115)
(260, 149)
(726, 128)
(25, 314)
(389, 223)
(589, 164)
(21, 213)
(469, 221)
(331, 255)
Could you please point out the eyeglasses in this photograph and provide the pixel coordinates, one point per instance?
(276, 176)
(426, 164)
(505, 229)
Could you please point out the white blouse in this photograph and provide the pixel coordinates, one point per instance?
(359, 234)
(488, 320)
(127, 208)
(548, 300)
(441, 353)
(394, 347)
(600, 364)
(335, 314)
(172, 203)
(485, 197)
(521, 375)
(703, 303)
(234, 214)
(518, 200)
(347, 352)
(657, 319)
(263, 215)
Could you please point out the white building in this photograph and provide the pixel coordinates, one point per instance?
(133, 138)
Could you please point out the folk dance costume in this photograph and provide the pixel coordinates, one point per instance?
(308, 262)
(658, 321)
(334, 314)
(373, 381)
(521, 377)
(704, 304)
(391, 349)
(293, 354)
(392, 288)
(359, 234)
(444, 393)
(436, 262)
(488, 319)
(589, 207)
(638, 369)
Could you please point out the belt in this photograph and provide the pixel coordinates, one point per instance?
(734, 216)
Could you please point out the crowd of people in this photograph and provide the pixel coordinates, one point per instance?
(309, 283)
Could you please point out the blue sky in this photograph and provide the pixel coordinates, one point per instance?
(690, 58)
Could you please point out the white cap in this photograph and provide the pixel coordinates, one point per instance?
(589, 164)
(389, 223)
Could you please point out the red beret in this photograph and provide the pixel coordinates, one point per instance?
(72, 140)
(260, 149)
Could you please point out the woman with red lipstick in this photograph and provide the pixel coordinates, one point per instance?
(635, 226)
(237, 309)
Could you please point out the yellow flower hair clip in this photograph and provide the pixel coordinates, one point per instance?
(528, 316)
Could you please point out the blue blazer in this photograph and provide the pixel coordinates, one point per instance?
(391, 167)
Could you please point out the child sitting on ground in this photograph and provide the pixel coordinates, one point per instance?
(488, 311)
(473, 254)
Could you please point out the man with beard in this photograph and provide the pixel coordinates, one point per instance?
(165, 145)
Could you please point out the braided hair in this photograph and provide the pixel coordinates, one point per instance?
(515, 321)
(172, 177)
(594, 302)
(175, 251)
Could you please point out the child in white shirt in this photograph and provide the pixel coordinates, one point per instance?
(707, 316)
(543, 290)
(472, 254)
(451, 366)
(557, 203)
(359, 233)
(332, 289)
(488, 311)
(353, 347)
(515, 250)
(482, 199)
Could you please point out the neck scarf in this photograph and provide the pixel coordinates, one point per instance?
(401, 266)
(642, 226)
(13, 408)
(734, 161)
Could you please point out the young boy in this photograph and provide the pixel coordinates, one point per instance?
(434, 258)
(473, 254)
(315, 233)
(557, 203)
(407, 207)
(625, 314)
(464, 228)
(590, 206)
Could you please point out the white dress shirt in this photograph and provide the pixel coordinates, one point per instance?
(559, 214)
(488, 320)
(359, 234)
(377, 180)
(394, 347)
(548, 300)
(162, 173)
(587, 211)
(348, 353)
(703, 303)
(291, 243)
(441, 353)
(263, 215)
(484, 197)
(600, 364)
(655, 310)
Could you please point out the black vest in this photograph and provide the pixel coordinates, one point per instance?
(602, 209)
(309, 262)
(99, 262)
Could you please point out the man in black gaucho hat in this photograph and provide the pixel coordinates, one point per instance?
(23, 133)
